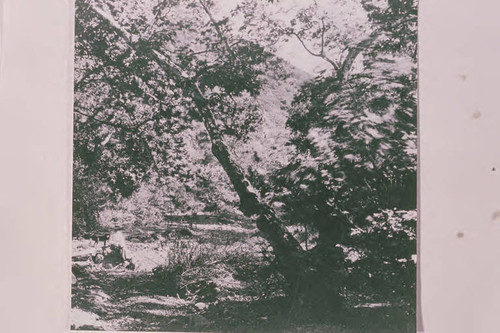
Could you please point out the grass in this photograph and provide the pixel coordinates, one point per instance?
(217, 266)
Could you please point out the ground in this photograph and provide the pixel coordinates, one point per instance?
(195, 274)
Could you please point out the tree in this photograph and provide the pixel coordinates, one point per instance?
(353, 178)
(145, 76)
(148, 74)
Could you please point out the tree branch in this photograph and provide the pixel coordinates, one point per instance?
(216, 26)
(305, 46)
(125, 128)
(286, 247)
(321, 54)
(346, 65)
(150, 152)
(106, 122)
(87, 74)
(323, 29)
(162, 60)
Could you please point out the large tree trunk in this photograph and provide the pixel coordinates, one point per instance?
(305, 280)
(286, 248)
(313, 278)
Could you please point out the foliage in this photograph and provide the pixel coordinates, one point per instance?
(137, 121)
(89, 194)
(355, 161)
(163, 87)
(382, 265)
(173, 276)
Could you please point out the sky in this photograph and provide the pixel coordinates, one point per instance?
(345, 12)
(344, 15)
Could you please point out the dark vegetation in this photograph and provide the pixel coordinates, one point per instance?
(252, 196)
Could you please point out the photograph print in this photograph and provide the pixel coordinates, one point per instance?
(245, 166)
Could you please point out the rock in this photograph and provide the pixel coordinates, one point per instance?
(82, 320)
(73, 278)
(130, 265)
(201, 306)
(98, 258)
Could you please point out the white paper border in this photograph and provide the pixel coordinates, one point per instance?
(459, 191)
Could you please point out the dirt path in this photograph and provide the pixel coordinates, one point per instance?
(116, 298)
(213, 277)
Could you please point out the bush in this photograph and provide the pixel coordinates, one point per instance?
(179, 276)
(384, 268)
(170, 277)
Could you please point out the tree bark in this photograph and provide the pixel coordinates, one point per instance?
(287, 249)
(285, 246)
